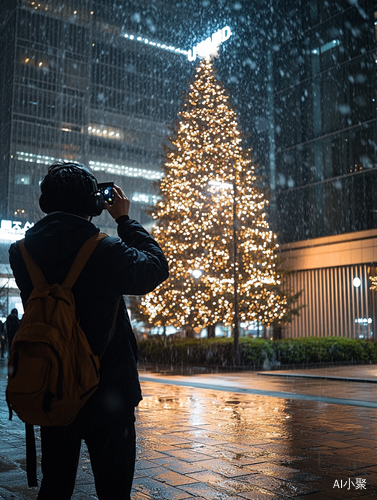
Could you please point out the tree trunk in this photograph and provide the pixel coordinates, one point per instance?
(277, 332)
(211, 331)
(190, 334)
(264, 334)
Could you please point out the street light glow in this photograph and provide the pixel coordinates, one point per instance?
(197, 273)
(356, 282)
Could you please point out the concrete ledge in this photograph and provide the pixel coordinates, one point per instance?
(332, 251)
(325, 377)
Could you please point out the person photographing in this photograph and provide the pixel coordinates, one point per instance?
(131, 264)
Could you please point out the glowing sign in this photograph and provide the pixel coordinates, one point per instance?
(363, 321)
(210, 46)
(13, 230)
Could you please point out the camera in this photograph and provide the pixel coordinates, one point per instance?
(106, 189)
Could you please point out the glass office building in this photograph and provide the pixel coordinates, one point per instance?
(325, 110)
(79, 83)
(323, 91)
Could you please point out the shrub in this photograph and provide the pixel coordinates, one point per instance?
(254, 353)
(324, 350)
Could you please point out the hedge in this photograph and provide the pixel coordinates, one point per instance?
(256, 353)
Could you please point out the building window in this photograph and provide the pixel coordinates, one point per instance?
(22, 179)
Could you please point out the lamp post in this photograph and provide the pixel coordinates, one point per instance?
(236, 332)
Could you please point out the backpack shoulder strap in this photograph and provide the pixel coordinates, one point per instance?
(34, 270)
(82, 258)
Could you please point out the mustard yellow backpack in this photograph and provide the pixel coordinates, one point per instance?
(52, 370)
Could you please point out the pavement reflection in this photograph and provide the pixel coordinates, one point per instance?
(324, 384)
(238, 445)
(212, 437)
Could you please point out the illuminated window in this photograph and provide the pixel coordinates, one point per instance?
(98, 166)
(22, 179)
(326, 47)
(148, 199)
(126, 171)
(105, 131)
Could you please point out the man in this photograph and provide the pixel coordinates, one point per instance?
(131, 264)
(2, 339)
(11, 326)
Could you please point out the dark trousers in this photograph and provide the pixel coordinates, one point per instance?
(112, 456)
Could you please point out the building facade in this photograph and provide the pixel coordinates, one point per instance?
(79, 82)
(323, 92)
(78, 86)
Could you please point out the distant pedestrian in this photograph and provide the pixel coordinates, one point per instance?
(12, 323)
(3, 341)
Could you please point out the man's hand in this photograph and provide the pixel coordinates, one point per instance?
(121, 204)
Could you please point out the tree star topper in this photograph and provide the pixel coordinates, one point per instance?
(210, 46)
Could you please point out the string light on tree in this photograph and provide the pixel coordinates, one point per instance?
(207, 174)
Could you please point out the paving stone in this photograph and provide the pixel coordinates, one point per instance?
(144, 464)
(170, 477)
(173, 439)
(224, 467)
(316, 496)
(280, 487)
(16, 493)
(179, 465)
(278, 471)
(195, 446)
(249, 448)
(205, 491)
(6, 466)
(366, 443)
(187, 455)
(255, 493)
(136, 495)
(12, 477)
(285, 459)
(209, 441)
(158, 490)
(301, 477)
(220, 482)
(338, 444)
(239, 459)
(149, 455)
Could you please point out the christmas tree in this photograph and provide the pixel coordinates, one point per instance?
(211, 221)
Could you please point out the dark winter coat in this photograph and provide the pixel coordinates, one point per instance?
(133, 264)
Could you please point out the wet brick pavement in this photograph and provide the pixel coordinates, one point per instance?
(234, 436)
